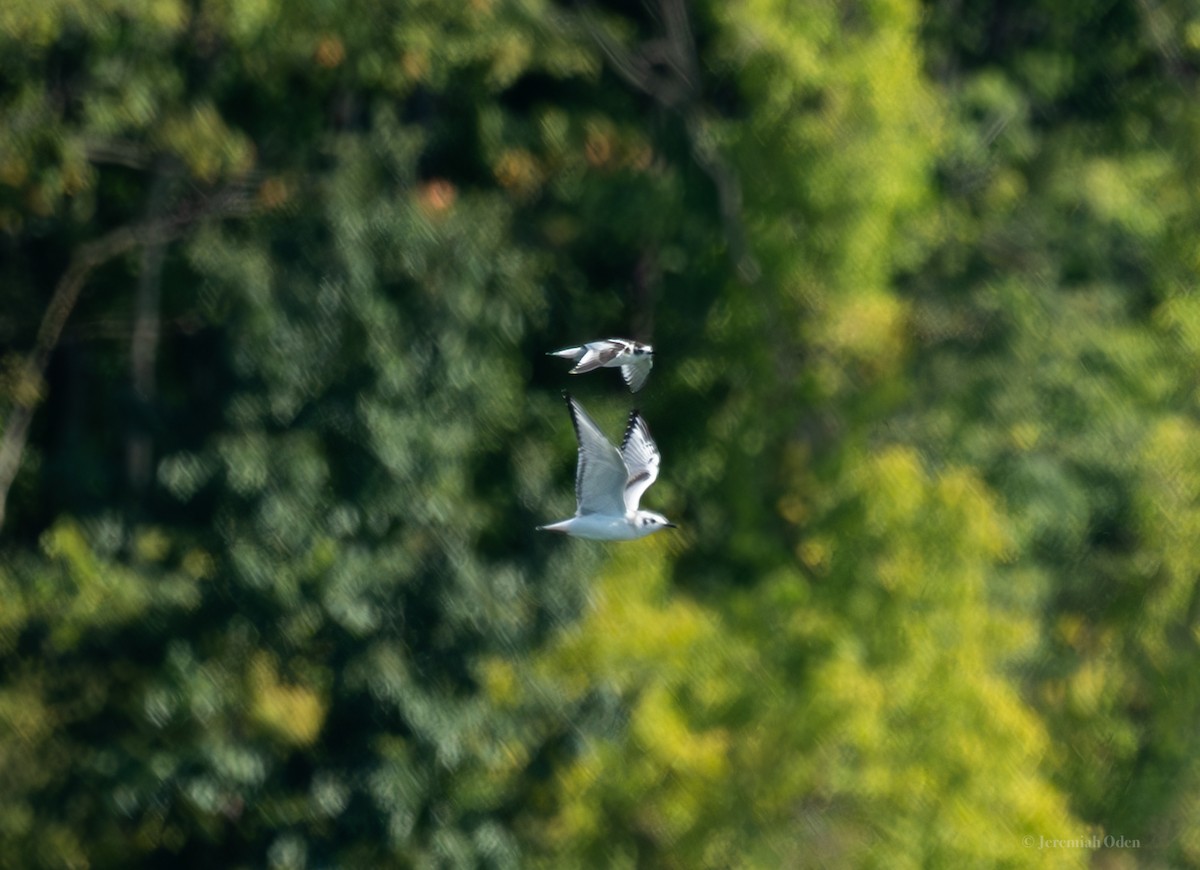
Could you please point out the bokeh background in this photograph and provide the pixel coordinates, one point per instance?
(276, 284)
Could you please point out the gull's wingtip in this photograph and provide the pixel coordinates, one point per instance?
(573, 409)
(635, 419)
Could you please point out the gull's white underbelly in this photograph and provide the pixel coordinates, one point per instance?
(599, 527)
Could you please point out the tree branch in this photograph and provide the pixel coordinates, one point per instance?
(729, 195)
(143, 345)
(229, 202)
(119, 152)
(668, 71)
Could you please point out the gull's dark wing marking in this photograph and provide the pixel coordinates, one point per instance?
(641, 458)
(597, 354)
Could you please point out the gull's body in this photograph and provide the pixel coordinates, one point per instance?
(610, 483)
(598, 527)
(633, 358)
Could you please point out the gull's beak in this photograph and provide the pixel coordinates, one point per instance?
(670, 526)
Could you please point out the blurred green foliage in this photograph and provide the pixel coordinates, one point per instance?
(921, 279)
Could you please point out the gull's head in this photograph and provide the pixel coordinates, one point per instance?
(649, 522)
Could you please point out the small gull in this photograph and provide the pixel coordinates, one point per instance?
(609, 483)
(633, 358)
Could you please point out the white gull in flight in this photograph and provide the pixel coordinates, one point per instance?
(633, 358)
(610, 483)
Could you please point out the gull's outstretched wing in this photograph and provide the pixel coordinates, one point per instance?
(635, 373)
(641, 459)
(600, 476)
